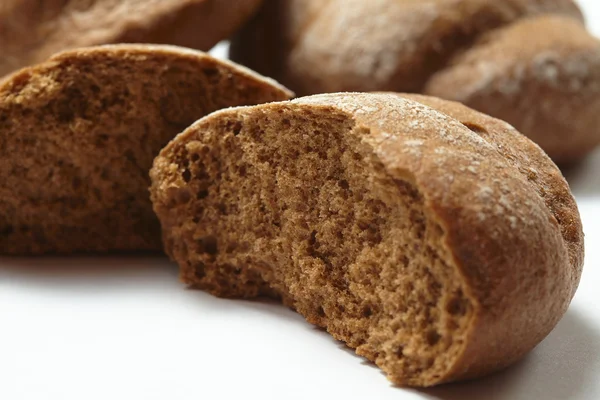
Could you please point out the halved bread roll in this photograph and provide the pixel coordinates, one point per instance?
(78, 134)
(436, 241)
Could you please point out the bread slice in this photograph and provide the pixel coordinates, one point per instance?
(33, 30)
(441, 245)
(78, 134)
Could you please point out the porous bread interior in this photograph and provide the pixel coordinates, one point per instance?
(294, 204)
(78, 138)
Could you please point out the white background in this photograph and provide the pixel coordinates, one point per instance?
(125, 328)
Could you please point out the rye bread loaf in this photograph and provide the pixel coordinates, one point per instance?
(78, 134)
(529, 62)
(33, 30)
(436, 241)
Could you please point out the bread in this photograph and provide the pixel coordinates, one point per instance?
(78, 134)
(33, 30)
(540, 74)
(529, 62)
(436, 241)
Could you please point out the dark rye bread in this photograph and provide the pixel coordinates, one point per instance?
(542, 75)
(33, 30)
(78, 134)
(441, 245)
(531, 63)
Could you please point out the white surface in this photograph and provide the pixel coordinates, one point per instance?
(124, 328)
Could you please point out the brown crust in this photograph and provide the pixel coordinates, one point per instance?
(508, 59)
(544, 178)
(531, 162)
(508, 217)
(79, 133)
(519, 276)
(34, 30)
(540, 74)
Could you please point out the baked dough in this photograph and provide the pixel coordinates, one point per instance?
(33, 30)
(78, 134)
(436, 241)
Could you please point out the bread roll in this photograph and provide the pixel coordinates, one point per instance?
(78, 134)
(436, 241)
(529, 62)
(541, 74)
(33, 30)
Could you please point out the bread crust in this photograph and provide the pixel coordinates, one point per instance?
(529, 62)
(34, 30)
(79, 133)
(540, 74)
(509, 220)
(519, 275)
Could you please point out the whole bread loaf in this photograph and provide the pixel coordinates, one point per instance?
(79, 132)
(436, 241)
(529, 62)
(33, 30)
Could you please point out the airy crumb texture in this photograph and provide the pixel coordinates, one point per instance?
(33, 30)
(78, 134)
(531, 63)
(410, 234)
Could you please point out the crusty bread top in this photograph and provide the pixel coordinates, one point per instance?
(33, 30)
(553, 42)
(540, 74)
(532, 163)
